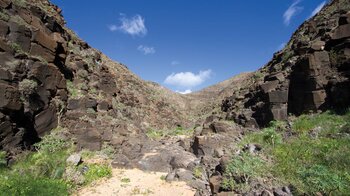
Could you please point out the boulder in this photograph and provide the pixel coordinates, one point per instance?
(318, 59)
(45, 40)
(89, 139)
(318, 98)
(318, 45)
(5, 129)
(46, 54)
(5, 3)
(184, 175)
(279, 112)
(48, 75)
(103, 106)
(278, 76)
(182, 159)
(4, 28)
(21, 35)
(222, 127)
(341, 32)
(5, 75)
(74, 159)
(278, 96)
(73, 104)
(269, 86)
(215, 183)
(45, 121)
(120, 161)
(10, 97)
(252, 148)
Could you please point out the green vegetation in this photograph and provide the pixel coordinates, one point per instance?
(243, 167)
(315, 159)
(257, 75)
(27, 87)
(286, 56)
(96, 171)
(20, 3)
(125, 180)
(73, 91)
(163, 177)
(197, 172)
(45, 171)
(158, 134)
(38, 173)
(4, 16)
(17, 48)
(2, 159)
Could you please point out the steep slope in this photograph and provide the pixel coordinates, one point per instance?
(49, 77)
(310, 74)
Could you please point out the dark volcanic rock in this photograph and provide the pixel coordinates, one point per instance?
(303, 77)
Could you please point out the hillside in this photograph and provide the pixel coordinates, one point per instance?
(73, 121)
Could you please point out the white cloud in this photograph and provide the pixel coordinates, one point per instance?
(188, 79)
(185, 92)
(293, 10)
(175, 62)
(146, 50)
(112, 27)
(318, 8)
(134, 26)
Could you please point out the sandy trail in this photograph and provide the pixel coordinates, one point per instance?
(136, 182)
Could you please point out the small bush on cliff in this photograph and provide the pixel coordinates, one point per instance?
(27, 87)
(4, 16)
(20, 3)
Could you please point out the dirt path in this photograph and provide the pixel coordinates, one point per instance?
(136, 182)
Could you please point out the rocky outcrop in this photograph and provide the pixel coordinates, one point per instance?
(310, 74)
(32, 73)
(49, 78)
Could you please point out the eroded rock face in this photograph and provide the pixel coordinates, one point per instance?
(307, 75)
(30, 75)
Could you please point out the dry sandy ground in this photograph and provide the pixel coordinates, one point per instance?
(136, 182)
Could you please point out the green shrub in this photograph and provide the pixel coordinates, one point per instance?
(125, 180)
(27, 87)
(155, 134)
(181, 131)
(20, 3)
(286, 56)
(270, 136)
(257, 75)
(73, 91)
(52, 142)
(245, 167)
(96, 171)
(17, 48)
(197, 172)
(4, 16)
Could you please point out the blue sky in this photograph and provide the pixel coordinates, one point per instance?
(188, 44)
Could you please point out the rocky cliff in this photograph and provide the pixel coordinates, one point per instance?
(50, 77)
(310, 74)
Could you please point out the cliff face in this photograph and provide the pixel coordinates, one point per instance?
(310, 74)
(49, 77)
